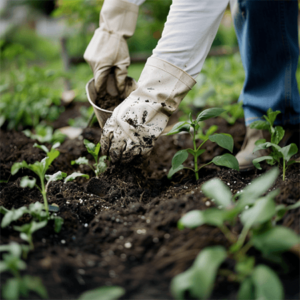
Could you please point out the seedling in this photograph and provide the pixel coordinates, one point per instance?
(222, 139)
(277, 153)
(258, 214)
(99, 165)
(105, 292)
(45, 134)
(18, 286)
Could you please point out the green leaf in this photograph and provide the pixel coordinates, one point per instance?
(92, 149)
(56, 176)
(278, 135)
(209, 113)
(181, 126)
(256, 161)
(276, 239)
(173, 171)
(52, 154)
(258, 187)
(262, 211)
(199, 278)
(272, 115)
(289, 151)
(101, 166)
(226, 160)
(3, 210)
(267, 284)
(103, 293)
(26, 182)
(35, 284)
(11, 289)
(196, 218)
(246, 291)
(196, 153)
(14, 248)
(260, 125)
(42, 147)
(80, 161)
(75, 175)
(58, 222)
(17, 166)
(31, 227)
(263, 146)
(245, 266)
(216, 189)
(13, 215)
(223, 140)
(56, 145)
(294, 206)
(179, 158)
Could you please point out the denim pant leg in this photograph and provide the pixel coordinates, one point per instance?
(267, 34)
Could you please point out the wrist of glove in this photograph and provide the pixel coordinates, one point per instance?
(108, 48)
(134, 126)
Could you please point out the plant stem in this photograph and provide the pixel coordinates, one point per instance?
(230, 237)
(195, 156)
(205, 165)
(283, 170)
(44, 193)
(242, 237)
(244, 250)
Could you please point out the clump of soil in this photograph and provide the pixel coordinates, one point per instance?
(108, 102)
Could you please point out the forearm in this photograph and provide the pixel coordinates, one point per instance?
(189, 32)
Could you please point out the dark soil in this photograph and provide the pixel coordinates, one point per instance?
(121, 229)
(108, 102)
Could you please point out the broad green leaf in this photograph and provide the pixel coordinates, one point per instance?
(26, 182)
(226, 160)
(263, 146)
(58, 222)
(179, 158)
(246, 291)
(11, 289)
(196, 218)
(199, 279)
(209, 113)
(294, 206)
(272, 115)
(75, 175)
(181, 126)
(52, 154)
(289, 151)
(211, 130)
(256, 161)
(276, 239)
(262, 211)
(280, 211)
(14, 248)
(39, 167)
(261, 125)
(173, 171)
(37, 210)
(31, 227)
(103, 293)
(42, 147)
(278, 135)
(267, 284)
(80, 161)
(92, 148)
(13, 215)
(245, 266)
(56, 176)
(101, 166)
(216, 189)
(223, 140)
(35, 284)
(258, 187)
(56, 145)
(196, 153)
(17, 166)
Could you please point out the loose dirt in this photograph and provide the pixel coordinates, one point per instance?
(121, 229)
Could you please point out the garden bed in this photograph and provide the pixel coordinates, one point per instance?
(121, 229)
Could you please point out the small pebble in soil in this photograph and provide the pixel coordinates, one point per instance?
(148, 221)
(185, 187)
(121, 237)
(141, 231)
(86, 225)
(68, 202)
(128, 245)
(63, 241)
(80, 201)
(81, 271)
(167, 236)
(155, 240)
(207, 203)
(228, 183)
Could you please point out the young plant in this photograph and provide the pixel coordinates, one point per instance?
(105, 292)
(222, 139)
(18, 285)
(99, 165)
(277, 153)
(258, 216)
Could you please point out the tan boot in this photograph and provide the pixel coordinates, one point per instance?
(246, 155)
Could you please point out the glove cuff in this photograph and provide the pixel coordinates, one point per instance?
(119, 17)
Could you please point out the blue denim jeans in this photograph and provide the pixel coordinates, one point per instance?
(267, 34)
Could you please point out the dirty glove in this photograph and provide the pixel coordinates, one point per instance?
(137, 122)
(108, 50)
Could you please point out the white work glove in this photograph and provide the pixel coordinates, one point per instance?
(108, 51)
(135, 124)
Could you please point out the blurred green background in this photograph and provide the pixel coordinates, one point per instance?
(42, 44)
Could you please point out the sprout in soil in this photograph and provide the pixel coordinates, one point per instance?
(222, 139)
(277, 153)
(99, 165)
(258, 214)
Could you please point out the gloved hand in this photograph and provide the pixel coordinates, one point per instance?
(137, 122)
(108, 50)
